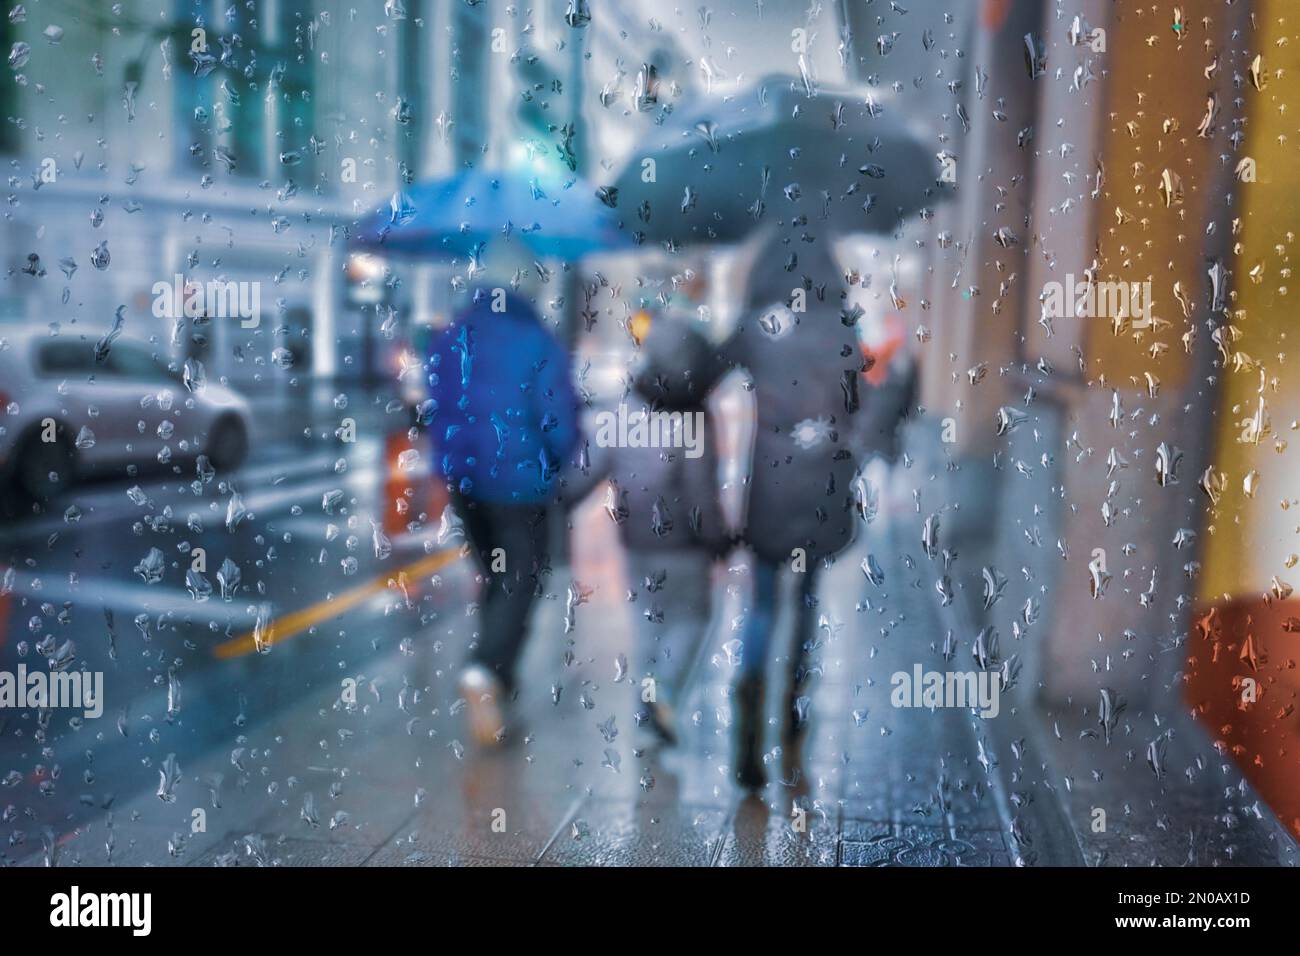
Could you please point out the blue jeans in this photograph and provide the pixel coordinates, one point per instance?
(756, 637)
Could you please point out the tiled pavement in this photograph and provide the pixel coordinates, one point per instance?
(386, 781)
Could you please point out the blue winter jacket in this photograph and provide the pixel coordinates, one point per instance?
(504, 414)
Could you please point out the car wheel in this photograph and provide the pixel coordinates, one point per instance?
(44, 470)
(227, 444)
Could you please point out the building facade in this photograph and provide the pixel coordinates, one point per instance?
(240, 141)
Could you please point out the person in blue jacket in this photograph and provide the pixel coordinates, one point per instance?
(503, 421)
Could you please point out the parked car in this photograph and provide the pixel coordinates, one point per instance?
(65, 415)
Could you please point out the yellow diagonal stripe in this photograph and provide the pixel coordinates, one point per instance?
(283, 628)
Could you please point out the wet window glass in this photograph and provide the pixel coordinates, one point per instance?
(459, 432)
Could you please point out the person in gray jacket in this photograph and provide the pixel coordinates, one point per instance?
(658, 450)
(797, 343)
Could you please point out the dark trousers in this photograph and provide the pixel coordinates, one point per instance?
(513, 537)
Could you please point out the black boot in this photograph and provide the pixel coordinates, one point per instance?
(798, 678)
(794, 726)
(748, 705)
(794, 731)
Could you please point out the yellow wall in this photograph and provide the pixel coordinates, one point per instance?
(1248, 541)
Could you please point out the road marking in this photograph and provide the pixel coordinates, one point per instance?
(102, 505)
(295, 623)
(129, 597)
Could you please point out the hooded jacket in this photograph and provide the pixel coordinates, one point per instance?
(504, 413)
(672, 498)
(663, 498)
(805, 367)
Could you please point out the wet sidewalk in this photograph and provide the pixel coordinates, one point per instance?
(370, 767)
(386, 779)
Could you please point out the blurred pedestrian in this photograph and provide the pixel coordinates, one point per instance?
(805, 366)
(658, 451)
(503, 421)
(674, 531)
(888, 396)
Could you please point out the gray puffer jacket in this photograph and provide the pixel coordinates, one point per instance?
(805, 367)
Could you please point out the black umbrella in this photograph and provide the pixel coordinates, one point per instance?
(846, 160)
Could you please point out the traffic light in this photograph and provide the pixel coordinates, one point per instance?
(541, 111)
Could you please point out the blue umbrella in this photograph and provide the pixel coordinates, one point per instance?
(453, 215)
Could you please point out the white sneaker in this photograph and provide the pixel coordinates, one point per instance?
(482, 693)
